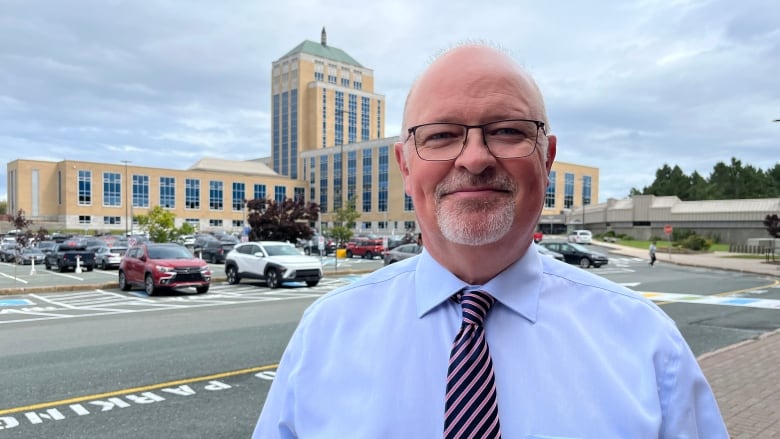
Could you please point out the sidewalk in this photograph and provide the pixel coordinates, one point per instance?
(745, 376)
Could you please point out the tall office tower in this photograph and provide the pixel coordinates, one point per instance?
(321, 97)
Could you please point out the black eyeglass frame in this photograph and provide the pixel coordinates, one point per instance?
(539, 125)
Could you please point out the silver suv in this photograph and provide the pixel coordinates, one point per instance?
(272, 261)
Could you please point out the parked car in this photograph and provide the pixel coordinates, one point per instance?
(109, 257)
(8, 252)
(576, 253)
(46, 246)
(366, 248)
(163, 266)
(215, 251)
(538, 236)
(30, 255)
(402, 252)
(70, 255)
(581, 236)
(547, 252)
(311, 247)
(272, 261)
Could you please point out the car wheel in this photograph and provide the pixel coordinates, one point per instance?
(584, 262)
(349, 254)
(273, 278)
(368, 255)
(61, 267)
(312, 283)
(232, 275)
(202, 290)
(102, 264)
(149, 285)
(123, 285)
(46, 264)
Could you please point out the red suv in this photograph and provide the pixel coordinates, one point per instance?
(366, 248)
(163, 266)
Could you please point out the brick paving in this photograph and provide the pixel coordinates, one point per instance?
(745, 378)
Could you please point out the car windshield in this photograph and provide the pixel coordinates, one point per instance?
(281, 250)
(33, 251)
(169, 252)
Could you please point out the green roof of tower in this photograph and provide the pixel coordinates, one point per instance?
(322, 50)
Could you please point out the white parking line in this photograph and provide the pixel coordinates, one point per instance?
(13, 277)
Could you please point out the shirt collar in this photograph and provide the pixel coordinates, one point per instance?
(517, 287)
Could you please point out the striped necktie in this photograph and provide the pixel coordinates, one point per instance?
(471, 410)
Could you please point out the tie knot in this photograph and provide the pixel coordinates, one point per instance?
(475, 305)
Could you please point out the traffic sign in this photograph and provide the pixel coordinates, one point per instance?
(668, 229)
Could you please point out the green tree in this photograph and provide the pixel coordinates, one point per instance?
(344, 221)
(289, 220)
(772, 223)
(670, 181)
(160, 224)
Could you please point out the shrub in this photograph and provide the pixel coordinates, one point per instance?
(696, 243)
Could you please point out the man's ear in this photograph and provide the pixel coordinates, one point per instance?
(401, 159)
(552, 142)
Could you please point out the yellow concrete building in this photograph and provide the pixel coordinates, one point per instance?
(327, 145)
(103, 197)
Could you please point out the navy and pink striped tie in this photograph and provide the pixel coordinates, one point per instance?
(471, 410)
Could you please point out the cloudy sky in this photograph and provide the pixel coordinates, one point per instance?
(630, 85)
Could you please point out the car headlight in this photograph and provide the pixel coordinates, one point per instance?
(163, 269)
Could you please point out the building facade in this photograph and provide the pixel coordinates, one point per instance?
(320, 97)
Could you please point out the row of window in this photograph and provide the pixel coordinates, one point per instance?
(568, 190)
(195, 222)
(140, 192)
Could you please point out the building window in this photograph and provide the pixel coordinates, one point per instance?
(85, 219)
(239, 194)
(367, 186)
(259, 192)
(339, 116)
(168, 192)
(294, 134)
(238, 223)
(215, 223)
(285, 134)
(216, 195)
(408, 204)
(549, 196)
(299, 194)
(365, 113)
(324, 118)
(410, 226)
(338, 182)
(568, 190)
(112, 189)
(112, 220)
(280, 194)
(384, 168)
(312, 179)
(85, 188)
(323, 184)
(378, 118)
(586, 188)
(194, 222)
(192, 193)
(140, 191)
(351, 175)
(352, 125)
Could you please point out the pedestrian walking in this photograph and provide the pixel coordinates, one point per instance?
(652, 253)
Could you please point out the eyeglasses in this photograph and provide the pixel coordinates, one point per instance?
(505, 139)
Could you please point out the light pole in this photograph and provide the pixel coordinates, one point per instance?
(127, 202)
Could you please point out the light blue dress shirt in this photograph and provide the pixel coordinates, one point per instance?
(575, 356)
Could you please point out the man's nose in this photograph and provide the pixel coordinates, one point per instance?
(475, 154)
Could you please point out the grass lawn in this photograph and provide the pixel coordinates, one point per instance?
(665, 245)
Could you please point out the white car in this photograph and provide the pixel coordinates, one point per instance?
(581, 236)
(272, 261)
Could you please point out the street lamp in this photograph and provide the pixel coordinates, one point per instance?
(127, 202)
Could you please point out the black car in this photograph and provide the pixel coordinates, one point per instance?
(215, 251)
(8, 252)
(576, 253)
